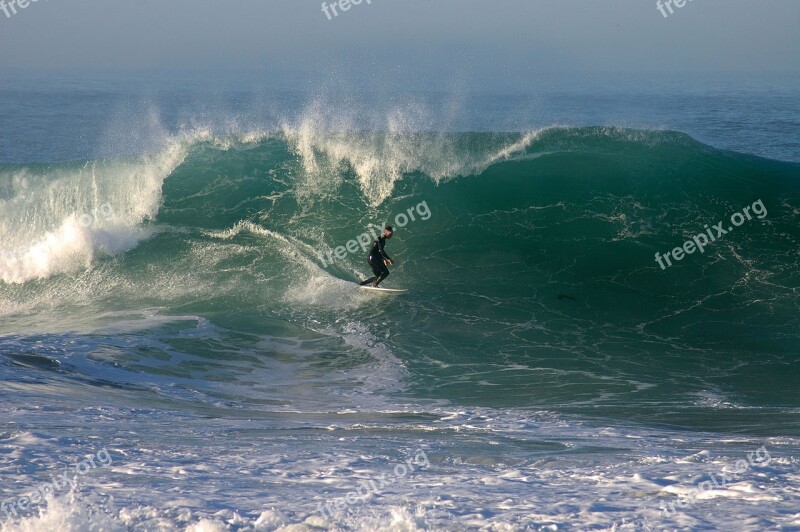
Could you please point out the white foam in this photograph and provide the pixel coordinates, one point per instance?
(327, 143)
(56, 221)
(65, 514)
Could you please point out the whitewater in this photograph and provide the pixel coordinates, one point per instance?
(175, 341)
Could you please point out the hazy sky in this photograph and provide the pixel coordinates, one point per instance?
(472, 38)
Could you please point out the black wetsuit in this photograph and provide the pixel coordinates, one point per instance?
(376, 257)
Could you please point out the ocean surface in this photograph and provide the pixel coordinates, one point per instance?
(182, 346)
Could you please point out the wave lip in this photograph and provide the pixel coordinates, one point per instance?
(57, 219)
(328, 146)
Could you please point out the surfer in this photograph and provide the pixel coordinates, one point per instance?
(378, 259)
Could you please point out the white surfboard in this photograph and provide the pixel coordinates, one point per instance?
(387, 291)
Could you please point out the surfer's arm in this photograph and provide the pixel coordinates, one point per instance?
(383, 252)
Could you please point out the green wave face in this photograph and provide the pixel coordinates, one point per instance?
(529, 251)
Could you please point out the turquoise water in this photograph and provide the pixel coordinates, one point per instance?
(169, 302)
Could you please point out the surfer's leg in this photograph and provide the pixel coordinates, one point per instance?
(384, 273)
(376, 272)
(376, 269)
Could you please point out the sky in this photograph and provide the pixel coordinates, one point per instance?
(431, 39)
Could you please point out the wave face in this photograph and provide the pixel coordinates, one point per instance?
(548, 238)
(209, 285)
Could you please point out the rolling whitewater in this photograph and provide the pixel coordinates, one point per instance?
(539, 344)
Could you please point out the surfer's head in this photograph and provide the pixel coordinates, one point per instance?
(388, 231)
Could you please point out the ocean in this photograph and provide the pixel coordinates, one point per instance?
(600, 330)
